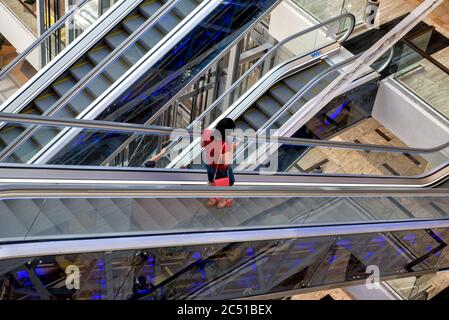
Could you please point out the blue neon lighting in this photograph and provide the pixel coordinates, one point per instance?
(337, 112)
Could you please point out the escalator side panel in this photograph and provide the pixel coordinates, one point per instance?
(227, 270)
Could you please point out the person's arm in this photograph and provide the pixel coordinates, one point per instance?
(158, 156)
(228, 154)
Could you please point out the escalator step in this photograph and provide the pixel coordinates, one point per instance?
(281, 93)
(158, 213)
(255, 118)
(26, 151)
(132, 23)
(81, 101)
(114, 39)
(176, 209)
(44, 135)
(44, 102)
(11, 225)
(78, 206)
(98, 86)
(111, 216)
(132, 53)
(98, 54)
(298, 105)
(80, 70)
(10, 133)
(63, 85)
(24, 210)
(184, 8)
(168, 22)
(310, 73)
(295, 82)
(56, 219)
(148, 8)
(241, 124)
(269, 106)
(116, 69)
(151, 37)
(66, 112)
(141, 218)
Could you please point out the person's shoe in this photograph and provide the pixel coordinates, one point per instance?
(212, 203)
(224, 204)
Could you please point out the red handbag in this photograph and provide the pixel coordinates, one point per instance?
(222, 182)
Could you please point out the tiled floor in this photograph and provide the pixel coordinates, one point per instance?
(429, 82)
(344, 161)
(432, 283)
(391, 9)
(336, 294)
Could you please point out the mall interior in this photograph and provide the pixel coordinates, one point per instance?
(343, 110)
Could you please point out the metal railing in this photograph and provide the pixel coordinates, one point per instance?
(158, 130)
(106, 244)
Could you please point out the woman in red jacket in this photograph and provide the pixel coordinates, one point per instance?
(218, 164)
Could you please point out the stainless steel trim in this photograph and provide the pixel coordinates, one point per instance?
(301, 92)
(24, 175)
(93, 190)
(388, 61)
(46, 248)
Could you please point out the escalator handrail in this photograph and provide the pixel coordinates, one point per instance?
(132, 242)
(159, 130)
(92, 74)
(298, 95)
(17, 177)
(317, 79)
(269, 52)
(89, 189)
(304, 90)
(41, 38)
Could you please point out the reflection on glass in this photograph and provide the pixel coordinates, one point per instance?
(325, 9)
(97, 217)
(424, 78)
(222, 271)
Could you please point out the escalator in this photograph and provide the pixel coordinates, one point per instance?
(278, 95)
(271, 105)
(141, 109)
(222, 270)
(198, 38)
(158, 18)
(131, 239)
(137, 233)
